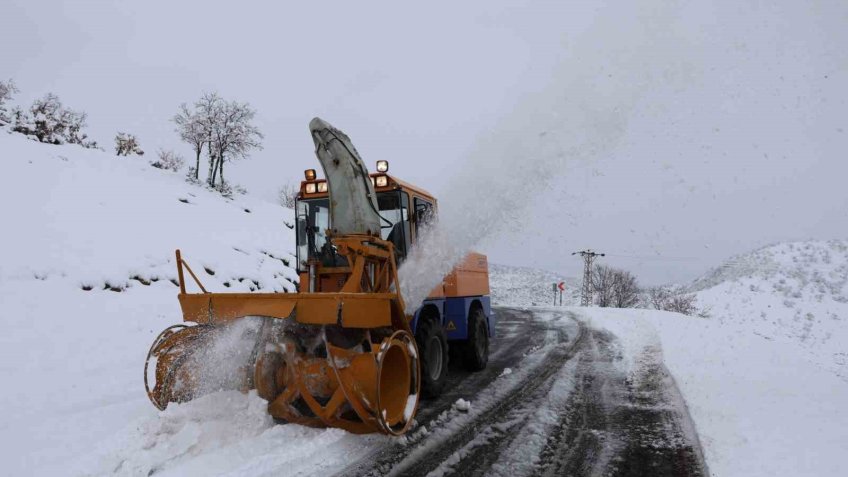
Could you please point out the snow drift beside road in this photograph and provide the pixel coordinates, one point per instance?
(760, 407)
(792, 293)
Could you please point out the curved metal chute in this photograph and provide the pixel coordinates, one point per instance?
(353, 203)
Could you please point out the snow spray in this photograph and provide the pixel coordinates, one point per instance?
(581, 115)
(221, 364)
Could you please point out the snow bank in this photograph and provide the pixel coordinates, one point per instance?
(792, 293)
(224, 433)
(760, 407)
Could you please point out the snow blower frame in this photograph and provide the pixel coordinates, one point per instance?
(363, 376)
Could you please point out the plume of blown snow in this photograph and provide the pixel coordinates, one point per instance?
(581, 115)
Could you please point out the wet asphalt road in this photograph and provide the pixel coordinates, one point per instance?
(606, 424)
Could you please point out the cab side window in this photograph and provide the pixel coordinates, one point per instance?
(424, 215)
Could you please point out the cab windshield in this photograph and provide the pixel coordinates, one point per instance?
(313, 221)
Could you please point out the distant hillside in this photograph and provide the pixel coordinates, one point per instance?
(522, 286)
(793, 292)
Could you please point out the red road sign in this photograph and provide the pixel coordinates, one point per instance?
(561, 286)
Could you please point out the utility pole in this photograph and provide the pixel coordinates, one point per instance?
(588, 257)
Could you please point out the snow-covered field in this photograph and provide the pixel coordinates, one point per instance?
(86, 271)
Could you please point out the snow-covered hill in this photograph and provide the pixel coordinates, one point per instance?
(794, 293)
(87, 280)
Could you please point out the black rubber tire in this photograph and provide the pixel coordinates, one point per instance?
(431, 339)
(475, 351)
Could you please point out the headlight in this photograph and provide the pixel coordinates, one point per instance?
(310, 188)
(382, 181)
(322, 186)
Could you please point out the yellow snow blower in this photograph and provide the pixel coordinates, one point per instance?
(342, 352)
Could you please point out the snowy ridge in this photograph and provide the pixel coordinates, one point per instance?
(795, 293)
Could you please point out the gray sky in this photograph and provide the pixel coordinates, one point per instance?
(669, 136)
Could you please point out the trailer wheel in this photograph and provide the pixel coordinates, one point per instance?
(476, 349)
(433, 348)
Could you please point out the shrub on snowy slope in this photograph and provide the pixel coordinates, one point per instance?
(50, 122)
(126, 144)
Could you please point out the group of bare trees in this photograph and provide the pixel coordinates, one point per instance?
(618, 288)
(46, 120)
(615, 287)
(223, 129)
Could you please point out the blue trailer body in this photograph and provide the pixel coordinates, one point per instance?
(454, 312)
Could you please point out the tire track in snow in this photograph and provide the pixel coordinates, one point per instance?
(429, 449)
(622, 425)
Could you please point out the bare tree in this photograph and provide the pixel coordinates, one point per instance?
(233, 135)
(194, 130)
(603, 281)
(224, 128)
(625, 293)
(658, 297)
(7, 91)
(126, 144)
(288, 194)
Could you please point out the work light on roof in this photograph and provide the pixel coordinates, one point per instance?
(310, 188)
(382, 181)
(382, 166)
(310, 174)
(322, 186)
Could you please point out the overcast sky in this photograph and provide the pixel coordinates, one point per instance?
(667, 135)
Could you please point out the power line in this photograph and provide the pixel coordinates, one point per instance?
(588, 257)
(654, 257)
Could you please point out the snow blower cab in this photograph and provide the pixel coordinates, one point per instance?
(342, 352)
